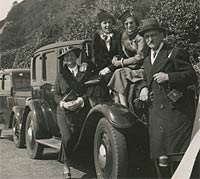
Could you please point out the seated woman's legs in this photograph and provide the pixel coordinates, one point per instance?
(119, 84)
(123, 99)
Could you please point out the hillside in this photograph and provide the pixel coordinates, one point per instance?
(34, 23)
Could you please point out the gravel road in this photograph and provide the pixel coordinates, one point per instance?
(16, 164)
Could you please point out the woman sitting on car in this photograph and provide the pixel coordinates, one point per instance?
(129, 60)
(104, 47)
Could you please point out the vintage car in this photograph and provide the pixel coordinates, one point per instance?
(112, 135)
(15, 88)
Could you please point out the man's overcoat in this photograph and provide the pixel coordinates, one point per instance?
(170, 123)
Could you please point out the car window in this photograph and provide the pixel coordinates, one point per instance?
(6, 82)
(21, 81)
(1, 81)
(87, 51)
(51, 66)
(37, 68)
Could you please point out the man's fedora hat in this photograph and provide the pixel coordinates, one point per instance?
(66, 50)
(150, 24)
(104, 15)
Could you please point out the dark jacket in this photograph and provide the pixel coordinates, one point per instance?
(70, 122)
(101, 56)
(65, 82)
(170, 123)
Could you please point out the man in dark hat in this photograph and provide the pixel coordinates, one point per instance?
(72, 105)
(132, 50)
(169, 74)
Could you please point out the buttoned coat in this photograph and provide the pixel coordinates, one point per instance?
(170, 123)
(70, 122)
(65, 82)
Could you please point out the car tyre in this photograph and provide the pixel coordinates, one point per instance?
(35, 150)
(17, 133)
(110, 151)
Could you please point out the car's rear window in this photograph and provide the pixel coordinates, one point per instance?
(21, 81)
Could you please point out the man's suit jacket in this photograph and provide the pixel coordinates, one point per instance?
(170, 123)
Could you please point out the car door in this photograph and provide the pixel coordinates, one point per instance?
(6, 100)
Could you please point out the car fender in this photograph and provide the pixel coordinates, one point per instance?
(41, 112)
(17, 111)
(118, 115)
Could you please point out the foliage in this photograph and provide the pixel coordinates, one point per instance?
(34, 23)
(182, 20)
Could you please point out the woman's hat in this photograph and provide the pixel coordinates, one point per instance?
(127, 14)
(150, 24)
(104, 15)
(66, 50)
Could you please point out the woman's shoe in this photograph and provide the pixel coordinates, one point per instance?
(67, 175)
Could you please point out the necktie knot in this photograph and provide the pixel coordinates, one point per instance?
(73, 73)
(106, 37)
(154, 54)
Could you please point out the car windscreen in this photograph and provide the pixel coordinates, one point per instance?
(21, 81)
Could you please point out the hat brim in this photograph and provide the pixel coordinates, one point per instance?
(104, 16)
(77, 51)
(142, 32)
(125, 15)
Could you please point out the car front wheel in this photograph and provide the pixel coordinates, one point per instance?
(110, 151)
(35, 150)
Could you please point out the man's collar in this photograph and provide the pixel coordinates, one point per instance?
(159, 48)
(74, 68)
(106, 37)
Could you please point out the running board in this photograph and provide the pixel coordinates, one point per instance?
(52, 142)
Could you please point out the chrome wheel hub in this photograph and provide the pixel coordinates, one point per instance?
(30, 131)
(102, 156)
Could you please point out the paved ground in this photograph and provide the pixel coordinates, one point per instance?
(15, 163)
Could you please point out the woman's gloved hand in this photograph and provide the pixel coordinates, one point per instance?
(104, 71)
(74, 105)
(83, 67)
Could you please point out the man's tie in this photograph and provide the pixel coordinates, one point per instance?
(73, 73)
(154, 54)
(153, 57)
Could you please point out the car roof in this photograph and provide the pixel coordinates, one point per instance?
(60, 44)
(7, 71)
